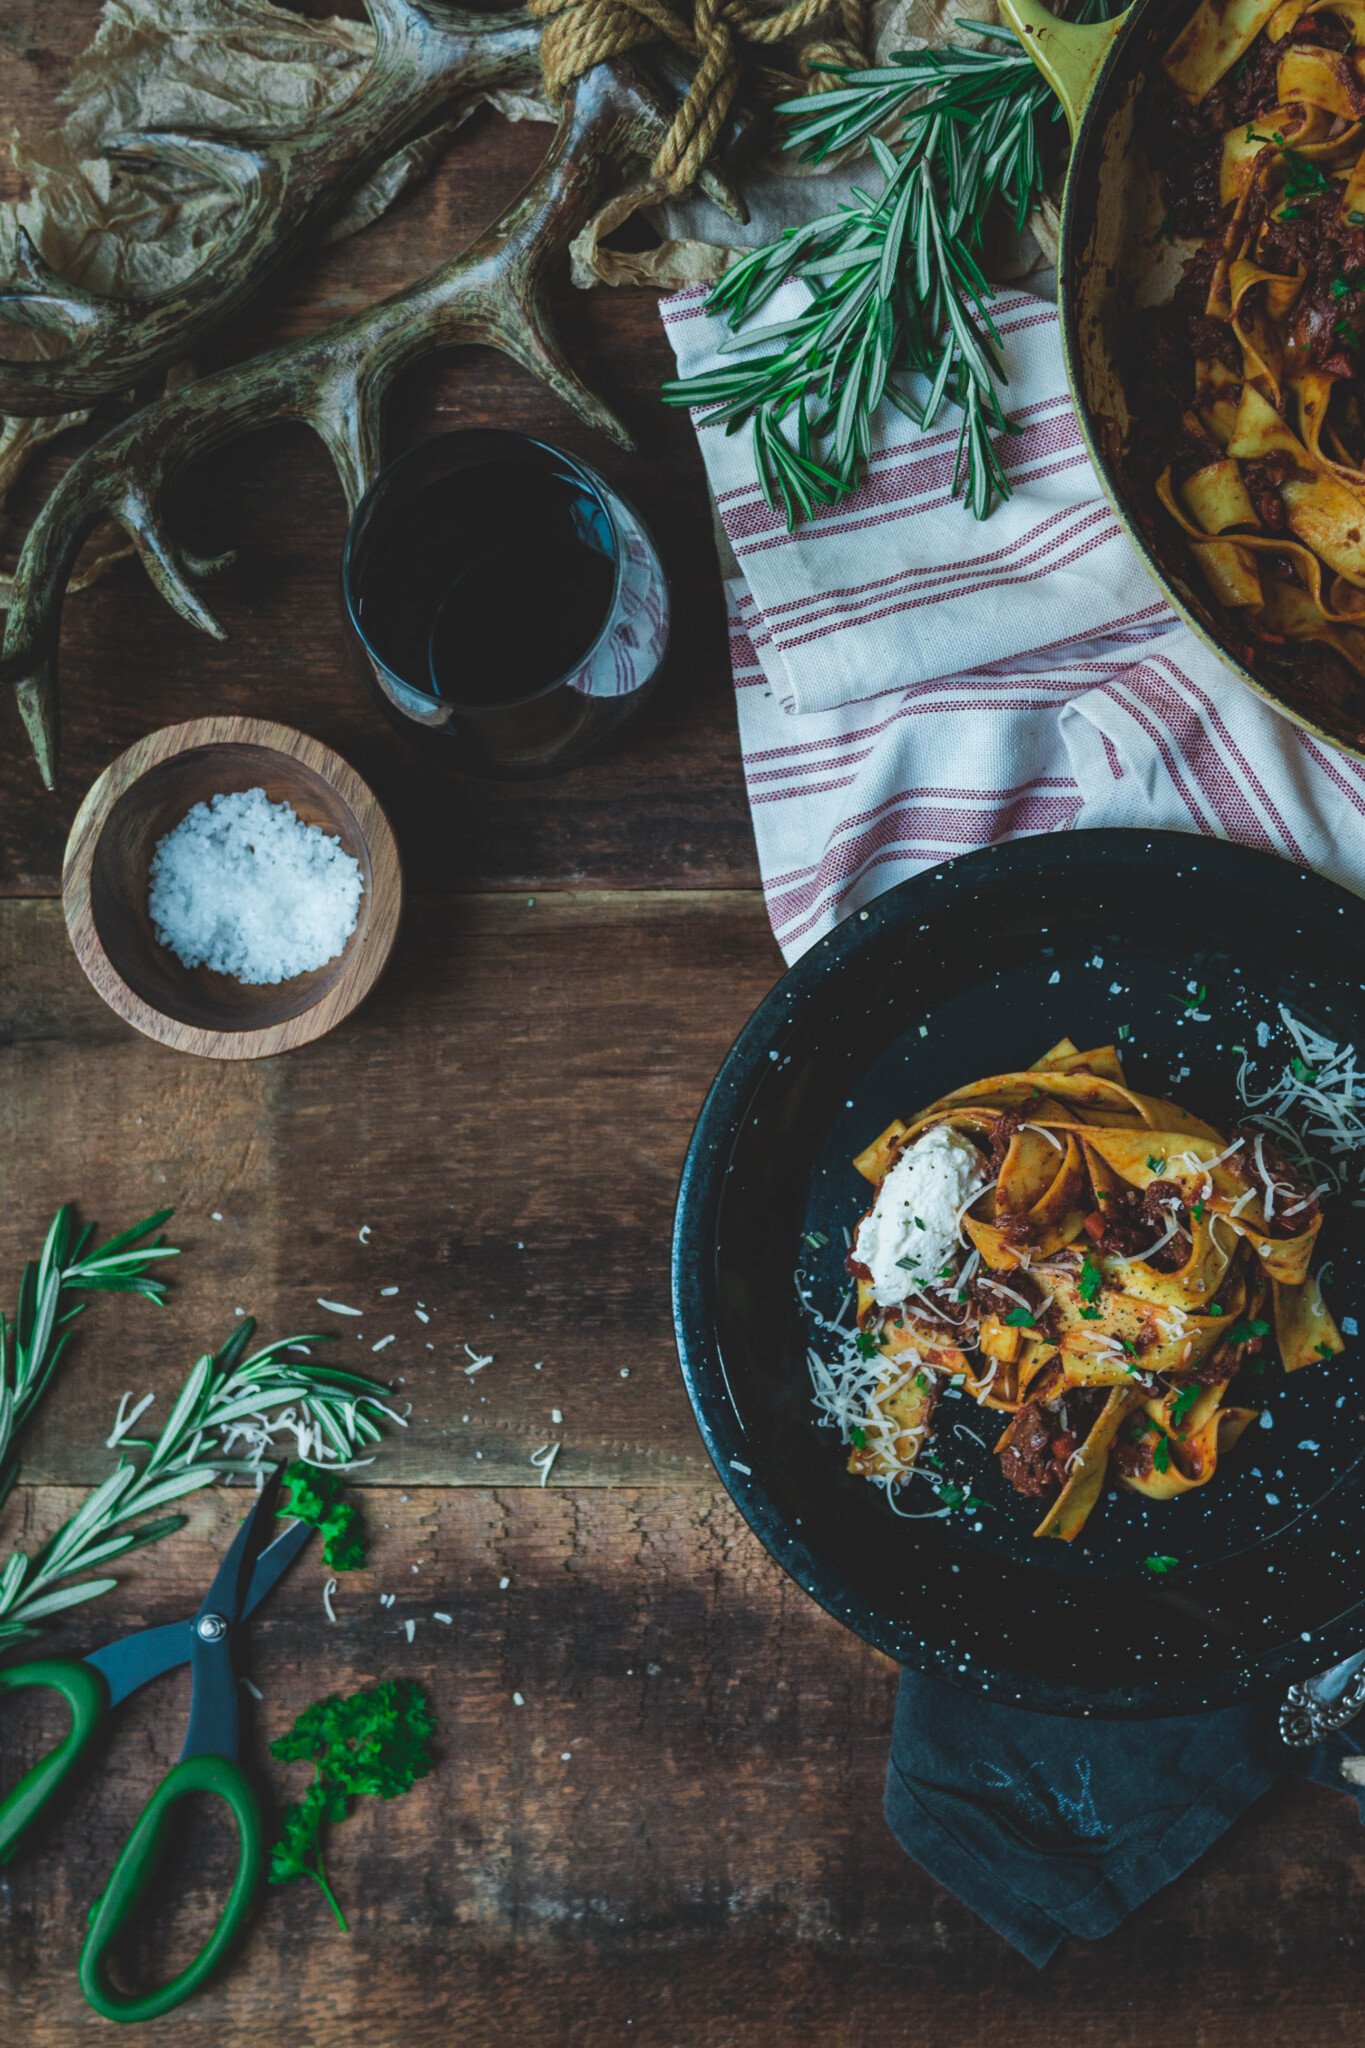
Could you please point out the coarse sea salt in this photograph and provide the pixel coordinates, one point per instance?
(243, 886)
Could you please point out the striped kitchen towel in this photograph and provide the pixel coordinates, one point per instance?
(912, 684)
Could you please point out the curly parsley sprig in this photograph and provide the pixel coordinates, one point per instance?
(374, 1743)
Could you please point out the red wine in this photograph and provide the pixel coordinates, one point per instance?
(489, 584)
(511, 605)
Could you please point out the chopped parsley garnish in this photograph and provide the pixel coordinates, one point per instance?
(919, 1223)
(1184, 1400)
(1242, 1333)
(946, 1272)
(1161, 1456)
(816, 1239)
(1302, 1071)
(1091, 1315)
(867, 1343)
(1022, 1319)
(1155, 1163)
(1301, 174)
(1197, 1211)
(1129, 1346)
(1356, 218)
(1344, 331)
(1193, 1002)
(859, 1436)
(908, 1265)
(1159, 1565)
(1216, 1308)
(1125, 1033)
(951, 1496)
(1324, 1350)
(1091, 1280)
(314, 1495)
(922, 1382)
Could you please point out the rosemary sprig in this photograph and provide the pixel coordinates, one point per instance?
(896, 285)
(228, 1400)
(32, 1345)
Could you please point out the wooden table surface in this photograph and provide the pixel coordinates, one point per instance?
(677, 1839)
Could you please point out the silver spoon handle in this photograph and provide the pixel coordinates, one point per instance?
(1317, 1706)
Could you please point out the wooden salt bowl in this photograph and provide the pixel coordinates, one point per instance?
(105, 878)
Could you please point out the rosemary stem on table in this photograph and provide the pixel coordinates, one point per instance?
(230, 1402)
(31, 1346)
(895, 280)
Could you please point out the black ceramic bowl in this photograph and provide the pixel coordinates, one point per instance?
(972, 969)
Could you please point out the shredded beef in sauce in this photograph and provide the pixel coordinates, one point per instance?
(1327, 328)
(1043, 1439)
(1129, 1222)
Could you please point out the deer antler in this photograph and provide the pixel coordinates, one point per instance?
(495, 291)
(427, 58)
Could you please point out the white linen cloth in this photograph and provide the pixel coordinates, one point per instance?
(912, 683)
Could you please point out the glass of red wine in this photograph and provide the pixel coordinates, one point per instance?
(512, 604)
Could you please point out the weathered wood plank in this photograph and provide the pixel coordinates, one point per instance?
(507, 1114)
(666, 808)
(710, 1865)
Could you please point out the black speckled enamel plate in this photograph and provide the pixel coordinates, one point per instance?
(970, 969)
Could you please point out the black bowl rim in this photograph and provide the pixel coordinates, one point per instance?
(692, 1261)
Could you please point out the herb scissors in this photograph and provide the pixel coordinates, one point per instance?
(94, 1686)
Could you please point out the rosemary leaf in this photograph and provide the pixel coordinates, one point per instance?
(32, 1346)
(228, 1403)
(897, 289)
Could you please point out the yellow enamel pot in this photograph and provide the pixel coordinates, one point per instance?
(1112, 259)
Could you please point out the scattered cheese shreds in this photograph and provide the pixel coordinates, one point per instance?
(329, 1587)
(338, 1308)
(544, 1459)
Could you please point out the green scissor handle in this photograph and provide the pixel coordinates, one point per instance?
(135, 1869)
(87, 1695)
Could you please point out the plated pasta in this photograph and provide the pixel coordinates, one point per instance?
(1095, 1265)
(1260, 135)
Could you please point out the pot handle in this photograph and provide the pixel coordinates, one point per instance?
(1068, 53)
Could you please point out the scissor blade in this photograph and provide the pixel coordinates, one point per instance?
(226, 1594)
(272, 1564)
(134, 1661)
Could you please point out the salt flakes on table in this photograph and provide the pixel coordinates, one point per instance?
(244, 887)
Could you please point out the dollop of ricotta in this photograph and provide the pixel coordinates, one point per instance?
(909, 1235)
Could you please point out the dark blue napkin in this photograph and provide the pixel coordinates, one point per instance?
(1048, 1826)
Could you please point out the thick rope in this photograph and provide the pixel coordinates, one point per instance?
(823, 33)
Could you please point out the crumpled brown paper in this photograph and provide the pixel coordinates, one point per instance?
(226, 67)
(223, 67)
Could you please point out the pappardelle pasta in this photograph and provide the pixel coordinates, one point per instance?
(1261, 141)
(1095, 1265)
